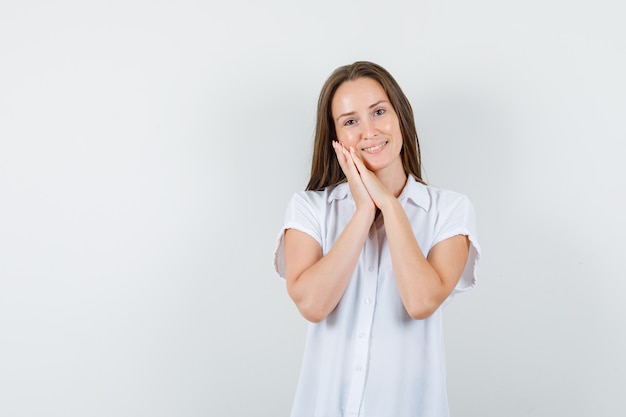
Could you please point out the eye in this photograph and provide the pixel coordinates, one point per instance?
(379, 112)
(349, 122)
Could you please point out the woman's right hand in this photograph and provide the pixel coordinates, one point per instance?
(361, 196)
(316, 281)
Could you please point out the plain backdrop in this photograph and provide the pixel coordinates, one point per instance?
(148, 150)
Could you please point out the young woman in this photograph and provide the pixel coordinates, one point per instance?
(370, 253)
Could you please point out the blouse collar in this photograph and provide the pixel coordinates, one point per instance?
(413, 192)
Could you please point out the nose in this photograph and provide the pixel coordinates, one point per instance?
(368, 128)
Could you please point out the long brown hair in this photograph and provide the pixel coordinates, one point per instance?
(325, 169)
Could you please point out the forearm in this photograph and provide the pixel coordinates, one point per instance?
(318, 289)
(421, 288)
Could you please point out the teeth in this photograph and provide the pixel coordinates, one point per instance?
(375, 148)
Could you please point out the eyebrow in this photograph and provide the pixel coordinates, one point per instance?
(353, 112)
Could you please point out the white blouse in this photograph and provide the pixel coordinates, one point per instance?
(368, 358)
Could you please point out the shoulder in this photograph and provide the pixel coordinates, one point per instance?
(321, 198)
(447, 198)
(432, 198)
(452, 210)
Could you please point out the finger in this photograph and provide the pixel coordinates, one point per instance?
(351, 162)
(358, 162)
(372, 183)
(341, 158)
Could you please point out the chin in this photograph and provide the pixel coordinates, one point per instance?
(375, 166)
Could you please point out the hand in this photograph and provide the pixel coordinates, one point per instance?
(378, 192)
(358, 189)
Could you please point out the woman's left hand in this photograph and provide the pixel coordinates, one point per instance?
(378, 191)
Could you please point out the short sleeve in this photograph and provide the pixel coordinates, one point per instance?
(459, 218)
(300, 215)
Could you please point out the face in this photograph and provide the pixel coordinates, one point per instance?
(365, 119)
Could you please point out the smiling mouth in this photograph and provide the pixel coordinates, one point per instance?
(376, 148)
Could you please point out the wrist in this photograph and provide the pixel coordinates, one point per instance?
(388, 204)
(366, 214)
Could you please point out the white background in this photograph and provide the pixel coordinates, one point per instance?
(148, 150)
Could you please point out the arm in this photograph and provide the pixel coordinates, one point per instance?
(316, 283)
(423, 284)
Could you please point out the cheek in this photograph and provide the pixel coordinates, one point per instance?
(397, 133)
(393, 127)
(347, 138)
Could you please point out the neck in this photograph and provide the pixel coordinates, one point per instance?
(393, 178)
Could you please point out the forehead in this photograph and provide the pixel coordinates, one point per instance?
(354, 94)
